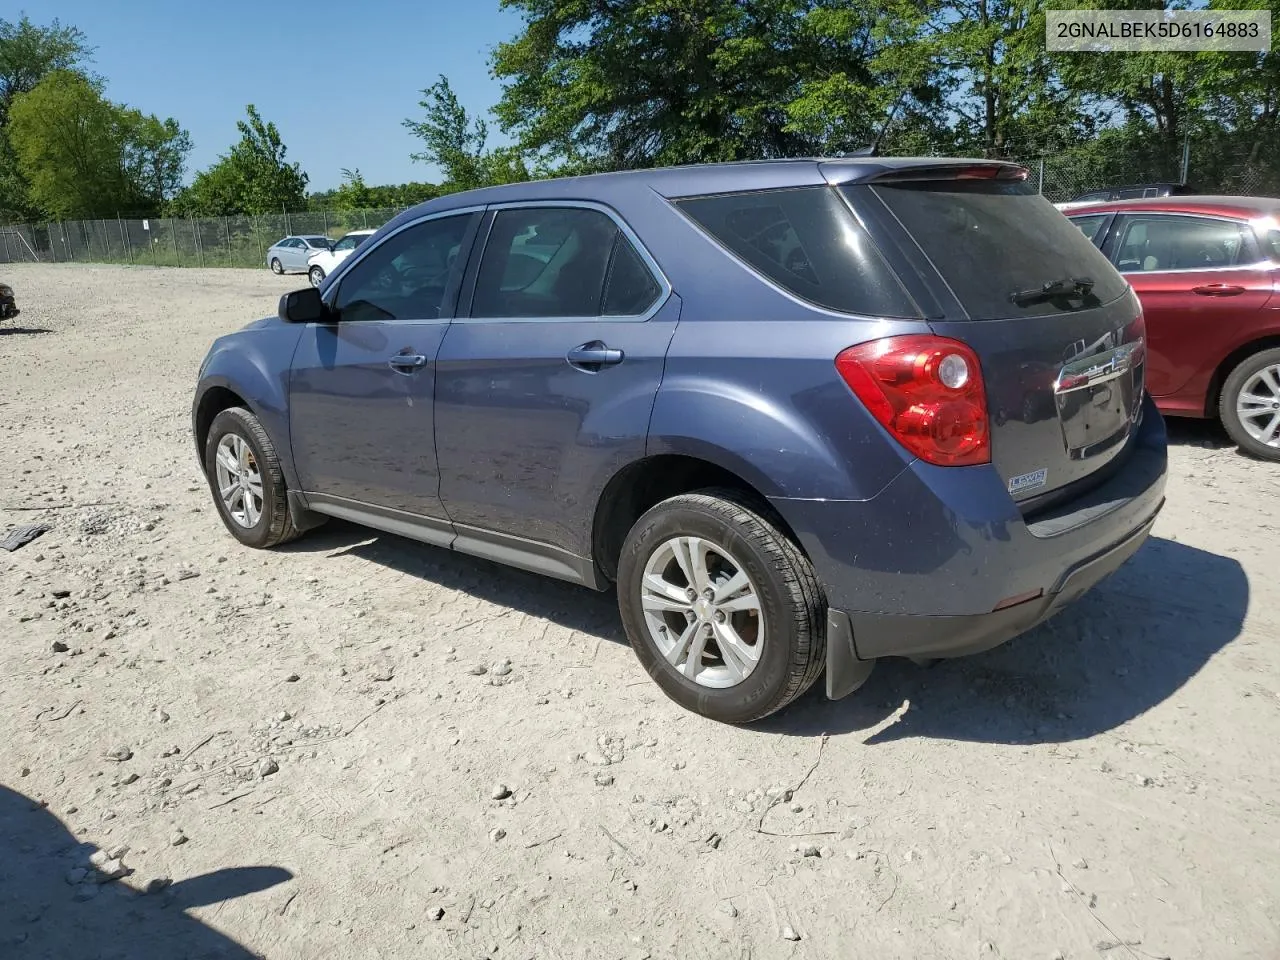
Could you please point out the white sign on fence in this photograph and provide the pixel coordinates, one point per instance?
(146, 224)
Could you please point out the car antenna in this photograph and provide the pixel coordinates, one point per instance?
(868, 151)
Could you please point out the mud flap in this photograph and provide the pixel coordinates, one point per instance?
(303, 518)
(845, 672)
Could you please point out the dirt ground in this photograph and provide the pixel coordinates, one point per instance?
(303, 743)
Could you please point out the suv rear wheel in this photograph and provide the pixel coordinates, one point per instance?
(721, 608)
(1250, 404)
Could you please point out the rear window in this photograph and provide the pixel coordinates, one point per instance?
(806, 241)
(991, 239)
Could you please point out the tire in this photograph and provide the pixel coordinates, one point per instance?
(276, 267)
(1249, 378)
(316, 274)
(790, 654)
(272, 525)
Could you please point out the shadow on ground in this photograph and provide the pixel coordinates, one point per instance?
(18, 331)
(1186, 432)
(569, 606)
(1124, 647)
(43, 916)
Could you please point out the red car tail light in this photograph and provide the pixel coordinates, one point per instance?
(927, 392)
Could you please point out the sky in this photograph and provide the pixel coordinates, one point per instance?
(336, 78)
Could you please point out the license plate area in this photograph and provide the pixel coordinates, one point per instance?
(1098, 398)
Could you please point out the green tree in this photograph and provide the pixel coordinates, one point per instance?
(28, 54)
(84, 156)
(864, 78)
(353, 193)
(155, 157)
(999, 83)
(252, 178)
(688, 81)
(457, 144)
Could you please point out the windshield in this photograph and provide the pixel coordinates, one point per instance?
(994, 240)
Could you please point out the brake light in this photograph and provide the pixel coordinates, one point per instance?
(927, 392)
(993, 173)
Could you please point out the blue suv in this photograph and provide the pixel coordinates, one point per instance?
(803, 413)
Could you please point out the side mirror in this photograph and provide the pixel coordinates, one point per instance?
(302, 306)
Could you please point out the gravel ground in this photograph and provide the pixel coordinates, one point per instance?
(362, 747)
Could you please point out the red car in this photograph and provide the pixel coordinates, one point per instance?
(1206, 271)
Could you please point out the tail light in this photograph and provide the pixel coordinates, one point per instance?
(927, 391)
(993, 173)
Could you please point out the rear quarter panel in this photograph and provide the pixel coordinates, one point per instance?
(751, 383)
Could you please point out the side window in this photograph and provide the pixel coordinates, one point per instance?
(1271, 246)
(630, 288)
(806, 241)
(406, 277)
(1144, 244)
(545, 262)
(346, 243)
(1090, 225)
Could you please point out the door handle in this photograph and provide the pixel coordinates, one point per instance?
(592, 356)
(405, 362)
(1218, 290)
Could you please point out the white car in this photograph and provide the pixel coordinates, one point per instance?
(323, 262)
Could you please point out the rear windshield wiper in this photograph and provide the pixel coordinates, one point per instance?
(1071, 286)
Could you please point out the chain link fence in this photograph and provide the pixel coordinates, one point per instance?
(172, 242)
(1065, 177)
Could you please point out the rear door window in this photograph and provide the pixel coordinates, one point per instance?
(560, 262)
(806, 241)
(992, 239)
(1090, 225)
(1144, 244)
(1271, 245)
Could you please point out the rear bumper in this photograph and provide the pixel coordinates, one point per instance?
(928, 567)
(881, 635)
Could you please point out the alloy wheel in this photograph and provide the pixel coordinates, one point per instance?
(1258, 406)
(239, 480)
(703, 612)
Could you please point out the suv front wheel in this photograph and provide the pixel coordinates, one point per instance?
(721, 607)
(247, 481)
